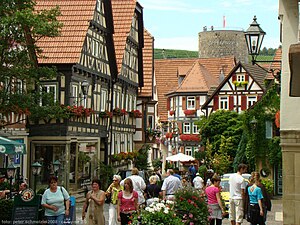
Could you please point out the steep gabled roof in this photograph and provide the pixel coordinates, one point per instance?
(166, 73)
(198, 79)
(148, 49)
(75, 16)
(123, 12)
(256, 72)
(275, 66)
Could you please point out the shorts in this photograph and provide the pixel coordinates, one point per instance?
(236, 210)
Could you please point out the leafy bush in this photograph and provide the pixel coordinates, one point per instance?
(269, 185)
(191, 207)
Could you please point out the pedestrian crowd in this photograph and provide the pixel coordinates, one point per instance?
(125, 197)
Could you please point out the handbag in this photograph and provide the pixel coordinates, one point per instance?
(108, 198)
(65, 200)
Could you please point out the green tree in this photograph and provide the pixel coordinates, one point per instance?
(221, 123)
(141, 160)
(254, 146)
(20, 29)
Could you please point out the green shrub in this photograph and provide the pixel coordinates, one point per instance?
(269, 185)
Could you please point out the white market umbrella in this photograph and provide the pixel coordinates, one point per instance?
(180, 157)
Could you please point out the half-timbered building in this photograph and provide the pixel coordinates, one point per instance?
(98, 57)
(183, 87)
(241, 89)
(147, 127)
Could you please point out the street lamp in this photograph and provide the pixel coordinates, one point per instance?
(254, 37)
(36, 170)
(85, 88)
(253, 123)
(11, 169)
(56, 166)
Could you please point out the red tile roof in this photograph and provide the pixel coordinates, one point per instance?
(75, 18)
(166, 71)
(276, 66)
(146, 91)
(198, 79)
(123, 12)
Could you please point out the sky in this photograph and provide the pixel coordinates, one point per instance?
(175, 24)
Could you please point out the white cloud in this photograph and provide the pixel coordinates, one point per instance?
(181, 43)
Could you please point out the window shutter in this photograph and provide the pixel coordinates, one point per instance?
(244, 103)
(258, 97)
(246, 77)
(197, 102)
(216, 103)
(233, 77)
(168, 104)
(230, 102)
(179, 124)
(183, 103)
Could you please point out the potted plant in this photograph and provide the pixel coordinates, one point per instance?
(135, 113)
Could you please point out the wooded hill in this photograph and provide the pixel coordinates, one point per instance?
(266, 54)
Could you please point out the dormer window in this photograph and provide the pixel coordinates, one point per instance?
(240, 77)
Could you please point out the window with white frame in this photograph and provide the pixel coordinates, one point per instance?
(117, 99)
(130, 103)
(224, 103)
(191, 102)
(172, 103)
(103, 100)
(150, 123)
(269, 129)
(74, 94)
(122, 146)
(96, 48)
(46, 90)
(134, 102)
(195, 129)
(240, 77)
(118, 145)
(188, 151)
(186, 128)
(251, 101)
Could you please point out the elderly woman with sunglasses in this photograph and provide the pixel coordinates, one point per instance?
(53, 200)
(112, 192)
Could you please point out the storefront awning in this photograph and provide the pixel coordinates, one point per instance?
(8, 146)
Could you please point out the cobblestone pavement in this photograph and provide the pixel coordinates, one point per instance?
(274, 217)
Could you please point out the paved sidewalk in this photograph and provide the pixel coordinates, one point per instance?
(274, 217)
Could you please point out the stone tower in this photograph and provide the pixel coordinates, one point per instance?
(219, 43)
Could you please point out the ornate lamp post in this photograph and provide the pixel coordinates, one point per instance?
(253, 123)
(84, 88)
(56, 166)
(254, 37)
(11, 169)
(36, 170)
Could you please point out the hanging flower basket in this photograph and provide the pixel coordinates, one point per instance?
(172, 112)
(277, 119)
(169, 135)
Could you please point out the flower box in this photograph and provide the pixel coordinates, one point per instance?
(135, 113)
(190, 137)
(189, 112)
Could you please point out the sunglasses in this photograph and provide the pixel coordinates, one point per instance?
(115, 180)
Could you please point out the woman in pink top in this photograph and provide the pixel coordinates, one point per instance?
(214, 201)
(127, 202)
